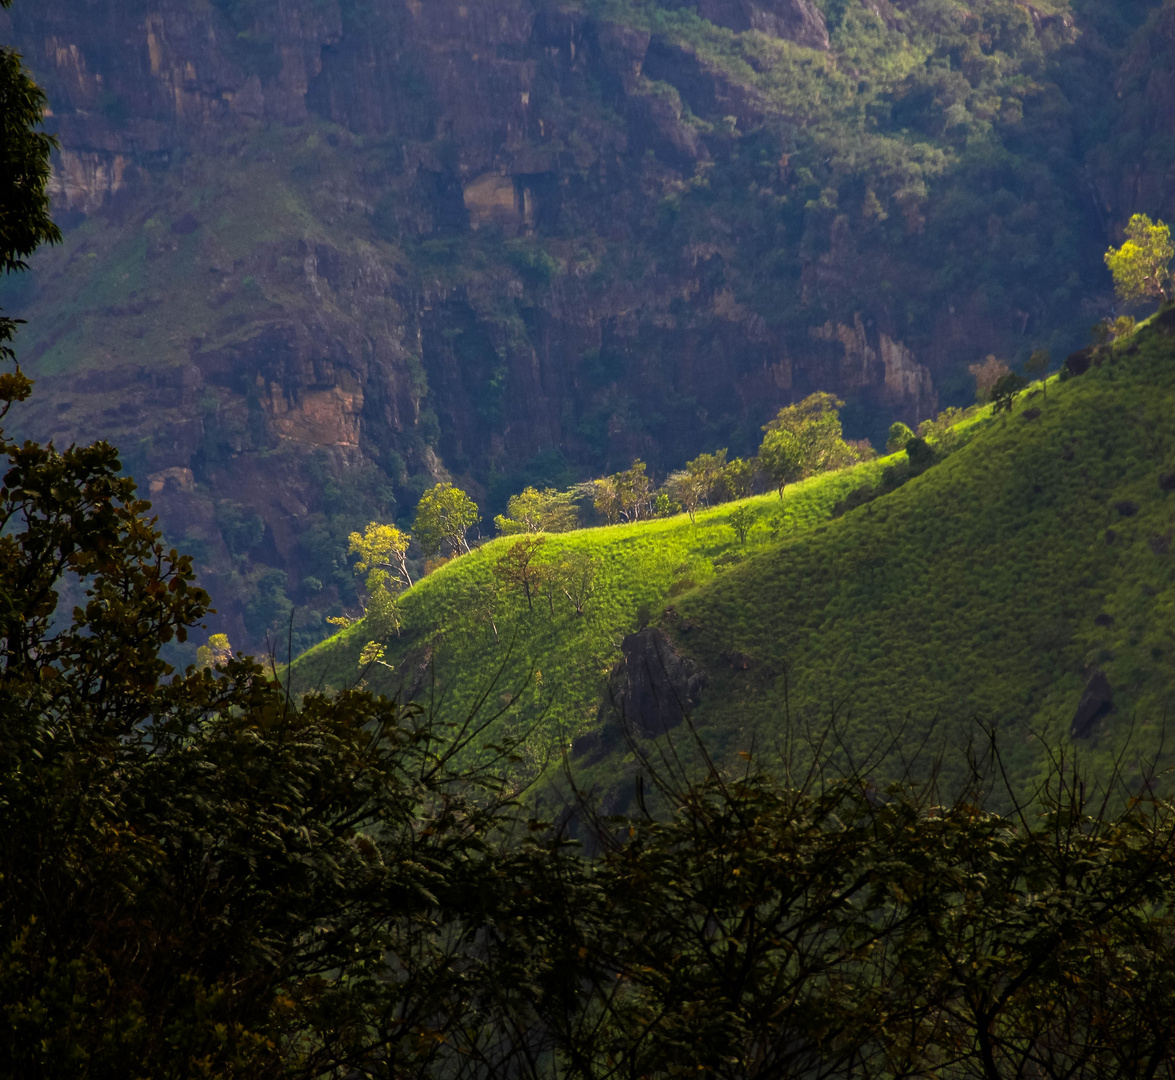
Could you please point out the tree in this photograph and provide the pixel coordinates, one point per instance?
(605, 497)
(941, 432)
(1141, 266)
(577, 578)
(737, 479)
(782, 456)
(899, 435)
(707, 470)
(634, 492)
(1038, 365)
(920, 454)
(518, 567)
(986, 375)
(534, 511)
(834, 930)
(625, 495)
(805, 439)
(24, 174)
(383, 556)
(741, 520)
(1003, 393)
(216, 653)
(443, 516)
(688, 489)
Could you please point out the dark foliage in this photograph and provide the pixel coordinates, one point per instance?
(24, 174)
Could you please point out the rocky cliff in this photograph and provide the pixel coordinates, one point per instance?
(322, 252)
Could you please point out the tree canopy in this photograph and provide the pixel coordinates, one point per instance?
(1141, 267)
(444, 515)
(538, 511)
(805, 439)
(24, 173)
(383, 555)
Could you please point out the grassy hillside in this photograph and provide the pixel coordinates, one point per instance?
(555, 665)
(989, 588)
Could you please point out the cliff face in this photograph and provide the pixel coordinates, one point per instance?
(1135, 168)
(324, 246)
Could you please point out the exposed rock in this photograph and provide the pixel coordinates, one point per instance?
(655, 123)
(623, 49)
(593, 746)
(1145, 88)
(869, 356)
(653, 687)
(800, 21)
(171, 480)
(706, 89)
(1096, 701)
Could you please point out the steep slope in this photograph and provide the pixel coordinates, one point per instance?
(323, 252)
(467, 634)
(1024, 582)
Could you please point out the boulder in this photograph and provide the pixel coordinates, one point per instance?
(800, 21)
(653, 687)
(1096, 701)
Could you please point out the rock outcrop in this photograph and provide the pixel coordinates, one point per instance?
(653, 687)
(1096, 702)
(1142, 177)
(800, 21)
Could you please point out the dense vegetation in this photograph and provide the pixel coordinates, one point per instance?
(206, 875)
(988, 573)
(967, 157)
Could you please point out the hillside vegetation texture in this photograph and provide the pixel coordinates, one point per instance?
(993, 587)
(1027, 566)
(464, 636)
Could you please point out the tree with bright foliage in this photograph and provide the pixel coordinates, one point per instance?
(383, 556)
(444, 515)
(519, 567)
(805, 439)
(1141, 267)
(533, 511)
(782, 456)
(687, 488)
(216, 653)
(899, 434)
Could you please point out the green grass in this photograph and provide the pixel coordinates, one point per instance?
(986, 589)
(555, 666)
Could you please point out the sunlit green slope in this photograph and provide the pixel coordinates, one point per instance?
(555, 664)
(992, 587)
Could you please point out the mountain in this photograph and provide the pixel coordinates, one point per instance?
(1022, 583)
(322, 253)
